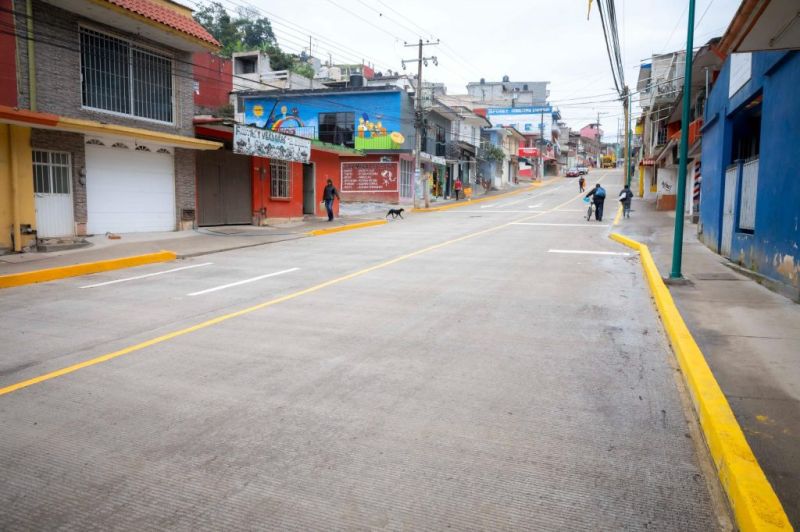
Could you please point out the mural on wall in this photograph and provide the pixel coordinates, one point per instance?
(375, 119)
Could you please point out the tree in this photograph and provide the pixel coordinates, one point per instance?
(248, 32)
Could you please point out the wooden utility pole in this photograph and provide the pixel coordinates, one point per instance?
(419, 121)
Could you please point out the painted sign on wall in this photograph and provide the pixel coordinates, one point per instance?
(372, 119)
(265, 143)
(370, 177)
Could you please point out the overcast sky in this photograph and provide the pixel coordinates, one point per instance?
(533, 40)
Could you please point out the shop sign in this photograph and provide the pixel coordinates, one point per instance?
(249, 140)
(369, 177)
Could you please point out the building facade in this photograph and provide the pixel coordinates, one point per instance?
(100, 135)
(750, 191)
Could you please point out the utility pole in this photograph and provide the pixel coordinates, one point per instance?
(541, 147)
(419, 121)
(677, 243)
(626, 156)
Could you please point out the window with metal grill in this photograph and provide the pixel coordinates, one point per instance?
(120, 77)
(441, 141)
(280, 178)
(337, 128)
(51, 172)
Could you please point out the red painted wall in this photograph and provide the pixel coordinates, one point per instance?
(214, 77)
(385, 197)
(326, 166)
(8, 51)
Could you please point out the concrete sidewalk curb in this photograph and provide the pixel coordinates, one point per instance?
(755, 504)
(86, 268)
(489, 198)
(349, 227)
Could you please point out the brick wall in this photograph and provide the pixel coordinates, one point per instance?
(58, 82)
(42, 139)
(185, 185)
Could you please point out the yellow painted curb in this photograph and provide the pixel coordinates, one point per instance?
(350, 227)
(74, 270)
(755, 504)
(618, 216)
(481, 200)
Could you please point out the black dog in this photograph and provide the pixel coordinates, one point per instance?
(395, 213)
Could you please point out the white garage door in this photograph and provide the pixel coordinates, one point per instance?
(129, 188)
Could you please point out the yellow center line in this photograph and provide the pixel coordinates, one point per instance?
(225, 317)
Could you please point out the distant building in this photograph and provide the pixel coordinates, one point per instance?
(507, 93)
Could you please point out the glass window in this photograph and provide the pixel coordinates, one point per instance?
(337, 128)
(51, 172)
(120, 77)
(280, 179)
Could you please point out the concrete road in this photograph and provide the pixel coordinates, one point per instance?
(497, 366)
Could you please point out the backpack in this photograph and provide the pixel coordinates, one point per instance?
(600, 193)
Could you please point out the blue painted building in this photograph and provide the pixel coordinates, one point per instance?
(364, 118)
(750, 209)
(377, 121)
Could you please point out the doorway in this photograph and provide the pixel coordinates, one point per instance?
(52, 186)
(224, 191)
(309, 190)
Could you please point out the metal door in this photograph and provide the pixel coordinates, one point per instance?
(728, 209)
(309, 195)
(224, 194)
(236, 189)
(52, 182)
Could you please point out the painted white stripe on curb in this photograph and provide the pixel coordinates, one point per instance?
(245, 281)
(147, 275)
(580, 252)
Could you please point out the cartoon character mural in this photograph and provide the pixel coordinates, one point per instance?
(376, 128)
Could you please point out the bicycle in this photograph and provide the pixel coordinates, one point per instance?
(591, 209)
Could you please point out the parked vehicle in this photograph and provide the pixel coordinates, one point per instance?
(573, 172)
(583, 170)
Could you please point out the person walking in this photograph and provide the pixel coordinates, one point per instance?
(582, 183)
(625, 196)
(598, 194)
(328, 194)
(457, 187)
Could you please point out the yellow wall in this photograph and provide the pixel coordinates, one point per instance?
(16, 166)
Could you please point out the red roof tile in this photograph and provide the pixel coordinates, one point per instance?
(168, 17)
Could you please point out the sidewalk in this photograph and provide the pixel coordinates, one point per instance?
(200, 241)
(750, 337)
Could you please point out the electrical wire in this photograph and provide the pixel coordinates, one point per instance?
(53, 41)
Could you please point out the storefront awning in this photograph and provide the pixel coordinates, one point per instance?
(10, 115)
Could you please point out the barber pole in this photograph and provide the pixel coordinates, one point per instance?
(696, 189)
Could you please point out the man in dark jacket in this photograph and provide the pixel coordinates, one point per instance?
(625, 196)
(598, 194)
(328, 194)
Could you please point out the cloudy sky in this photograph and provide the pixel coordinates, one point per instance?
(532, 40)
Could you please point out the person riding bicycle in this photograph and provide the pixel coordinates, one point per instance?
(598, 194)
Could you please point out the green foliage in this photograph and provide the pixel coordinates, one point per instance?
(492, 152)
(247, 32)
(304, 69)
